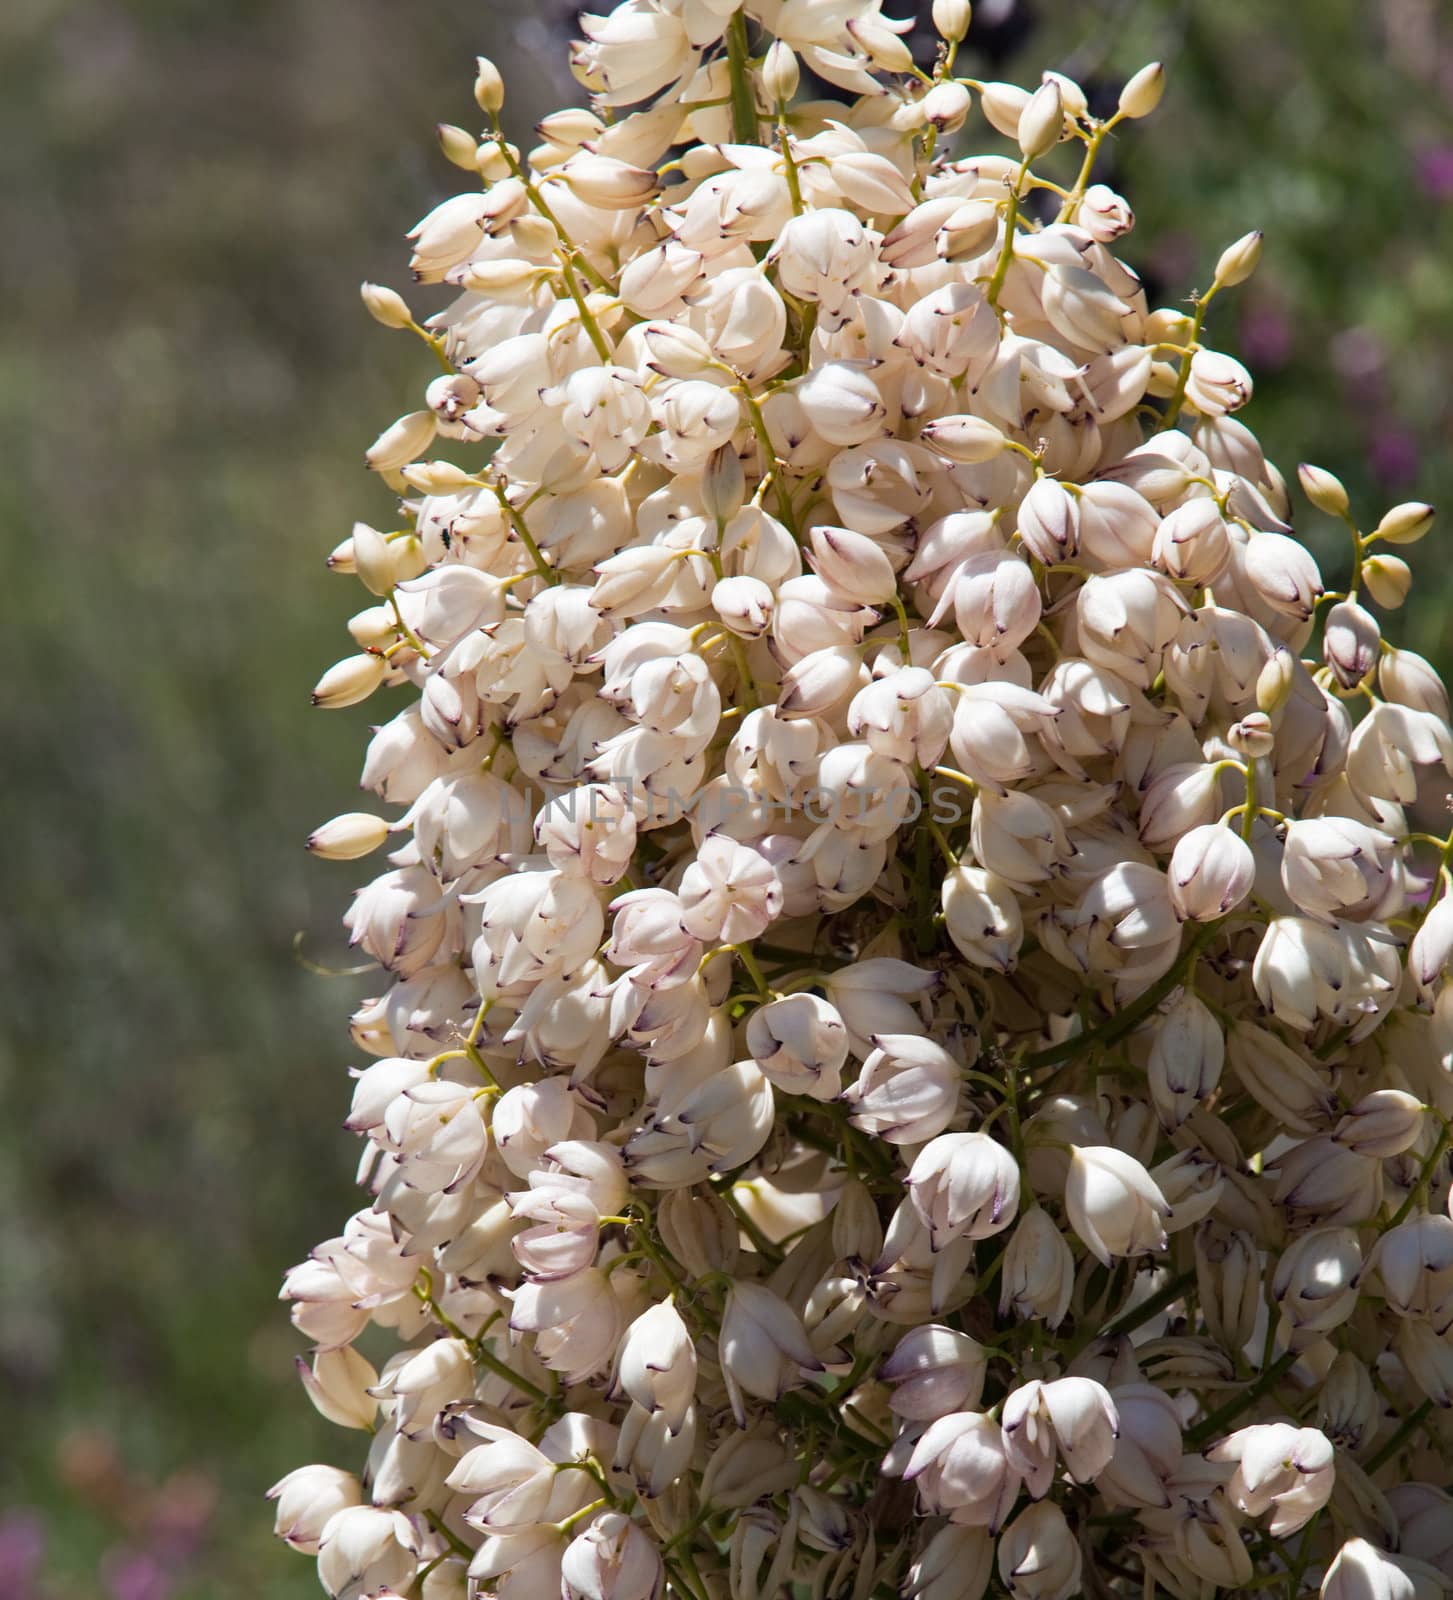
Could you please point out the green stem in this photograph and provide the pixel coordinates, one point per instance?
(1006, 255)
(744, 96)
(1425, 1176)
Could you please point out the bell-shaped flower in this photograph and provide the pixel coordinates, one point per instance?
(964, 1186)
(763, 1348)
(1072, 1420)
(1113, 1203)
(962, 1469)
(1286, 1470)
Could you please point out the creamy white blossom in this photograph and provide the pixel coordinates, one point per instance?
(909, 945)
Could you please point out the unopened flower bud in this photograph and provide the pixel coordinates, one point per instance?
(1003, 104)
(780, 73)
(951, 19)
(1275, 681)
(1323, 489)
(1038, 1275)
(1186, 1058)
(1253, 736)
(1238, 261)
(1039, 1557)
(386, 305)
(1382, 1124)
(348, 837)
(935, 1371)
(1042, 123)
(1142, 94)
(1359, 1571)
(460, 148)
(1351, 640)
(964, 439)
(1389, 580)
(1211, 872)
(402, 442)
(1405, 523)
(489, 86)
(349, 681)
(1347, 1404)
(1228, 1282)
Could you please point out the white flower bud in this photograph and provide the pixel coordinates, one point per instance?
(1228, 1283)
(1113, 1203)
(1414, 1263)
(1292, 1088)
(1003, 104)
(780, 73)
(951, 19)
(1211, 872)
(1351, 640)
(852, 565)
(965, 439)
(349, 681)
(402, 442)
(964, 1186)
(1360, 1572)
(656, 1367)
(1348, 1406)
(1405, 523)
(346, 838)
(1039, 1557)
(1389, 580)
(489, 86)
(1323, 489)
(386, 306)
(936, 1371)
(982, 916)
(1038, 1275)
(306, 1499)
(1042, 122)
(763, 1348)
(1238, 261)
(1383, 1123)
(1186, 1058)
(1141, 95)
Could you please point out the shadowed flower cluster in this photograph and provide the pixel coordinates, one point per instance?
(781, 1182)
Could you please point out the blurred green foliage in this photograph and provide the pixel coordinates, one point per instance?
(193, 190)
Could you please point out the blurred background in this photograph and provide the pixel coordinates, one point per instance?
(193, 190)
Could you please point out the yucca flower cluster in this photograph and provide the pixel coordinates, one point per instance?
(916, 1054)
